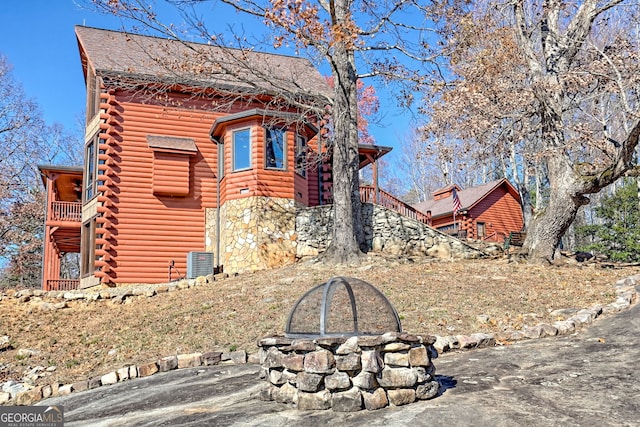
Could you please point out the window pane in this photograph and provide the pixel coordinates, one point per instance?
(274, 148)
(220, 161)
(242, 149)
(90, 170)
(301, 155)
(88, 251)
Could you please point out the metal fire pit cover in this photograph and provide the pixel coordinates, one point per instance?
(343, 306)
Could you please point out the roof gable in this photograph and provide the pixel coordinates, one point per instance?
(468, 198)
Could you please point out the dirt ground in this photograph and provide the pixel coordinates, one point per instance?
(432, 297)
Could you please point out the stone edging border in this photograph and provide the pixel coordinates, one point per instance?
(625, 291)
(626, 295)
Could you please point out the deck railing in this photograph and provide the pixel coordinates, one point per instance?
(62, 285)
(368, 195)
(66, 211)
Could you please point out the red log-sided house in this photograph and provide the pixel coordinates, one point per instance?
(489, 211)
(170, 175)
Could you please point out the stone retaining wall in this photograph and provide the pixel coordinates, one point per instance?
(348, 375)
(385, 231)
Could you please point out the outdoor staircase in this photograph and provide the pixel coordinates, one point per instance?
(368, 194)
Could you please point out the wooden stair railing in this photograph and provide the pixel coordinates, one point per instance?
(384, 199)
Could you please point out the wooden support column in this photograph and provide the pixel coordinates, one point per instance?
(48, 250)
(376, 189)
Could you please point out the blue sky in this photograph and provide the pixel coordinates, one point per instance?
(37, 37)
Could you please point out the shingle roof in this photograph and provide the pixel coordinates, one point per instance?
(121, 55)
(468, 198)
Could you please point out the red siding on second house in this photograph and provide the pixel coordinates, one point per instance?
(500, 212)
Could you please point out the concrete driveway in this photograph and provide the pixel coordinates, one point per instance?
(590, 378)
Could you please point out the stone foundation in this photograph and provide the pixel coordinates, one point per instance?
(346, 375)
(256, 233)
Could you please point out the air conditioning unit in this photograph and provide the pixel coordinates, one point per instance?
(199, 264)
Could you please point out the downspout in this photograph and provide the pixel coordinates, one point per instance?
(217, 199)
(218, 220)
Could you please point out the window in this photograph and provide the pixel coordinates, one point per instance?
(241, 150)
(91, 169)
(481, 230)
(301, 155)
(451, 229)
(93, 94)
(220, 161)
(88, 250)
(275, 148)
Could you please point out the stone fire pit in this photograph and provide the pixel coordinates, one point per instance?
(344, 349)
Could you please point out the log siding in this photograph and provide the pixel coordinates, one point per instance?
(148, 226)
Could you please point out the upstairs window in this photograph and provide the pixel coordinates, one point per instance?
(275, 148)
(91, 169)
(93, 94)
(241, 150)
(301, 155)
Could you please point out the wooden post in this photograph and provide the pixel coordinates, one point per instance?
(48, 250)
(376, 189)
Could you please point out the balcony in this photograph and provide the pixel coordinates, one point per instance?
(66, 211)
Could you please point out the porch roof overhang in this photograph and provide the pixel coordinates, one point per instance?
(66, 179)
(369, 153)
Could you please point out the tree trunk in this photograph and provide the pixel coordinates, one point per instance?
(549, 225)
(348, 239)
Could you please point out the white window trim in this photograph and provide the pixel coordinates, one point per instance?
(233, 149)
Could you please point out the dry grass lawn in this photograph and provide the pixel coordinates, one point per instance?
(432, 297)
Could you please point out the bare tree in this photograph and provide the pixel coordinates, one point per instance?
(19, 122)
(424, 167)
(355, 39)
(26, 141)
(551, 87)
